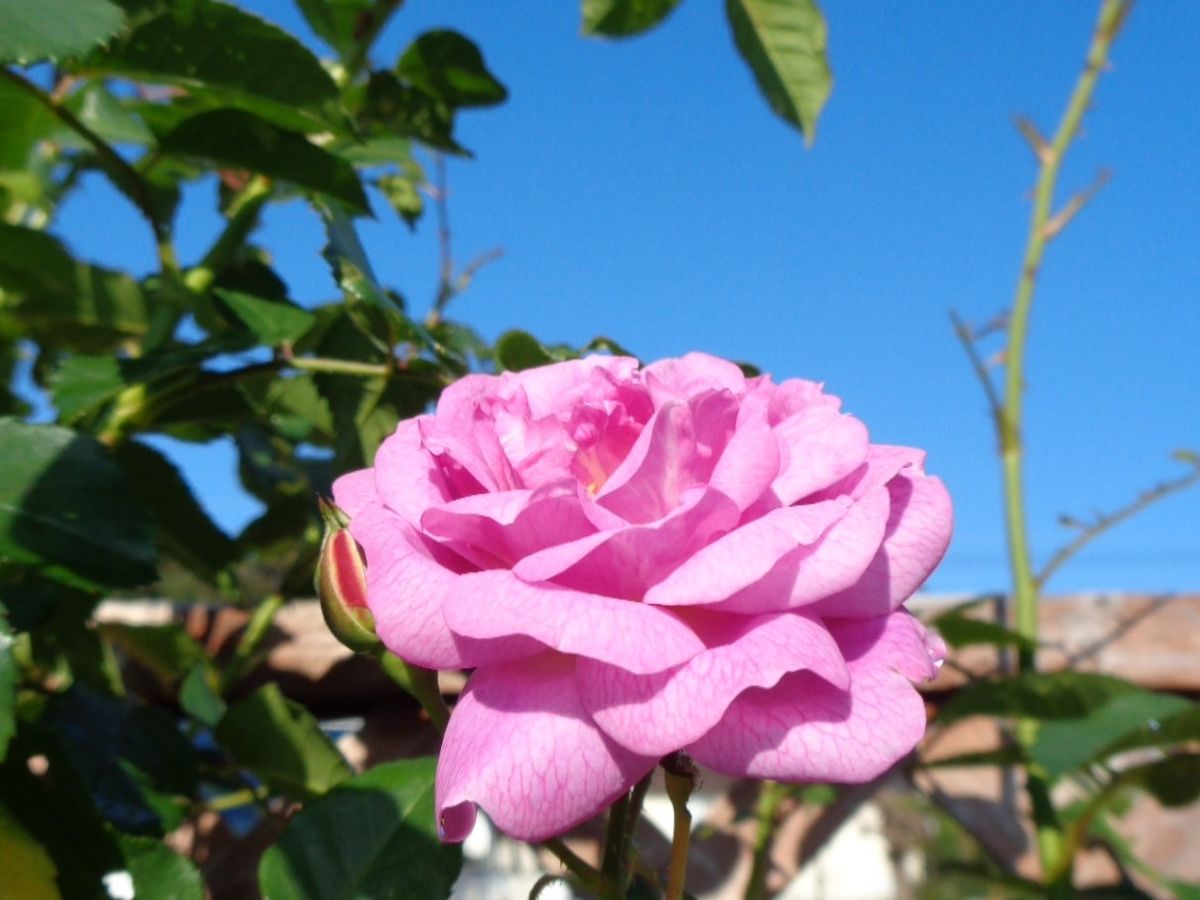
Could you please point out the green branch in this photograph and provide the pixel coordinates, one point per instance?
(1043, 228)
(126, 177)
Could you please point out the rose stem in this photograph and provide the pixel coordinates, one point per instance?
(1050, 157)
(770, 795)
(681, 781)
(577, 866)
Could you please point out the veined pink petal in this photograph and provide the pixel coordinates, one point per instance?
(745, 555)
(563, 386)
(636, 637)
(698, 372)
(658, 469)
(406, 589)
(750, 459)
(659, 713)
(508, 526)
(795, 394)
(406, 476)
(817, 446)
(805, 729)
(882, 464)
(811, 572)
(355, 490)
(918, 532)
(625, 562)
(521, 746)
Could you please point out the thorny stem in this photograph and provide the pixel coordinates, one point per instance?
(1025, 585)
(771, 794)
(422, 685)
(623, 817)
(576, 865)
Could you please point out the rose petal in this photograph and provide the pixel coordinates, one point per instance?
(636, 637)
(750, 459)
(565, 385)
(811, 572)
(698, 372)
(521, 746)
(355, 490)
(407, 476)
(745, 555)
(502, 528)
(817, 446)
(406, 589)
(657, 714)
(882, 464)
(626, 562)
(805, 729)
(647, 484)
(918, 532)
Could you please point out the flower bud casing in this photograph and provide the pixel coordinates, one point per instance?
(341, 584)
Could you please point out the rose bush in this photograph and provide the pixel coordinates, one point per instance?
(641, 560)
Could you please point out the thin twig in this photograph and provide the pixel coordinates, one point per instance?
(1063, 217)
(967, 338)
(1108, 520)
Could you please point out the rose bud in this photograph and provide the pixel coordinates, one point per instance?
(342, 584)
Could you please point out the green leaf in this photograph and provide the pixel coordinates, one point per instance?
(30, 873)
(1055, 695)
(198, 696)
(272, 322)
(623, 18)
(241, 140)
(25, 122)
(218, 51)
(402, 194)
(84, 383)
(518, 350)
(159, 872)
(963, 631)
(132, 756)
(401, 110)
(336, 22)
(448, 66)
(66, 509)
(282, 743)
(34, 30)
(1179, 728)
(1066, 744)
(59, 814)
(108, 117)
(66, 303)
(1174, 781)
(166, 651)
(373, 836)
(783, 42)
(183, 531)
(9, 677)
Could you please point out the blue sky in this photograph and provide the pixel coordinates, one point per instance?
(642, 190)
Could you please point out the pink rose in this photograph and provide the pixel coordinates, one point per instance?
(638, 561)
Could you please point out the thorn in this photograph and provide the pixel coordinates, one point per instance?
(1042, 150)
(1063, 217)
